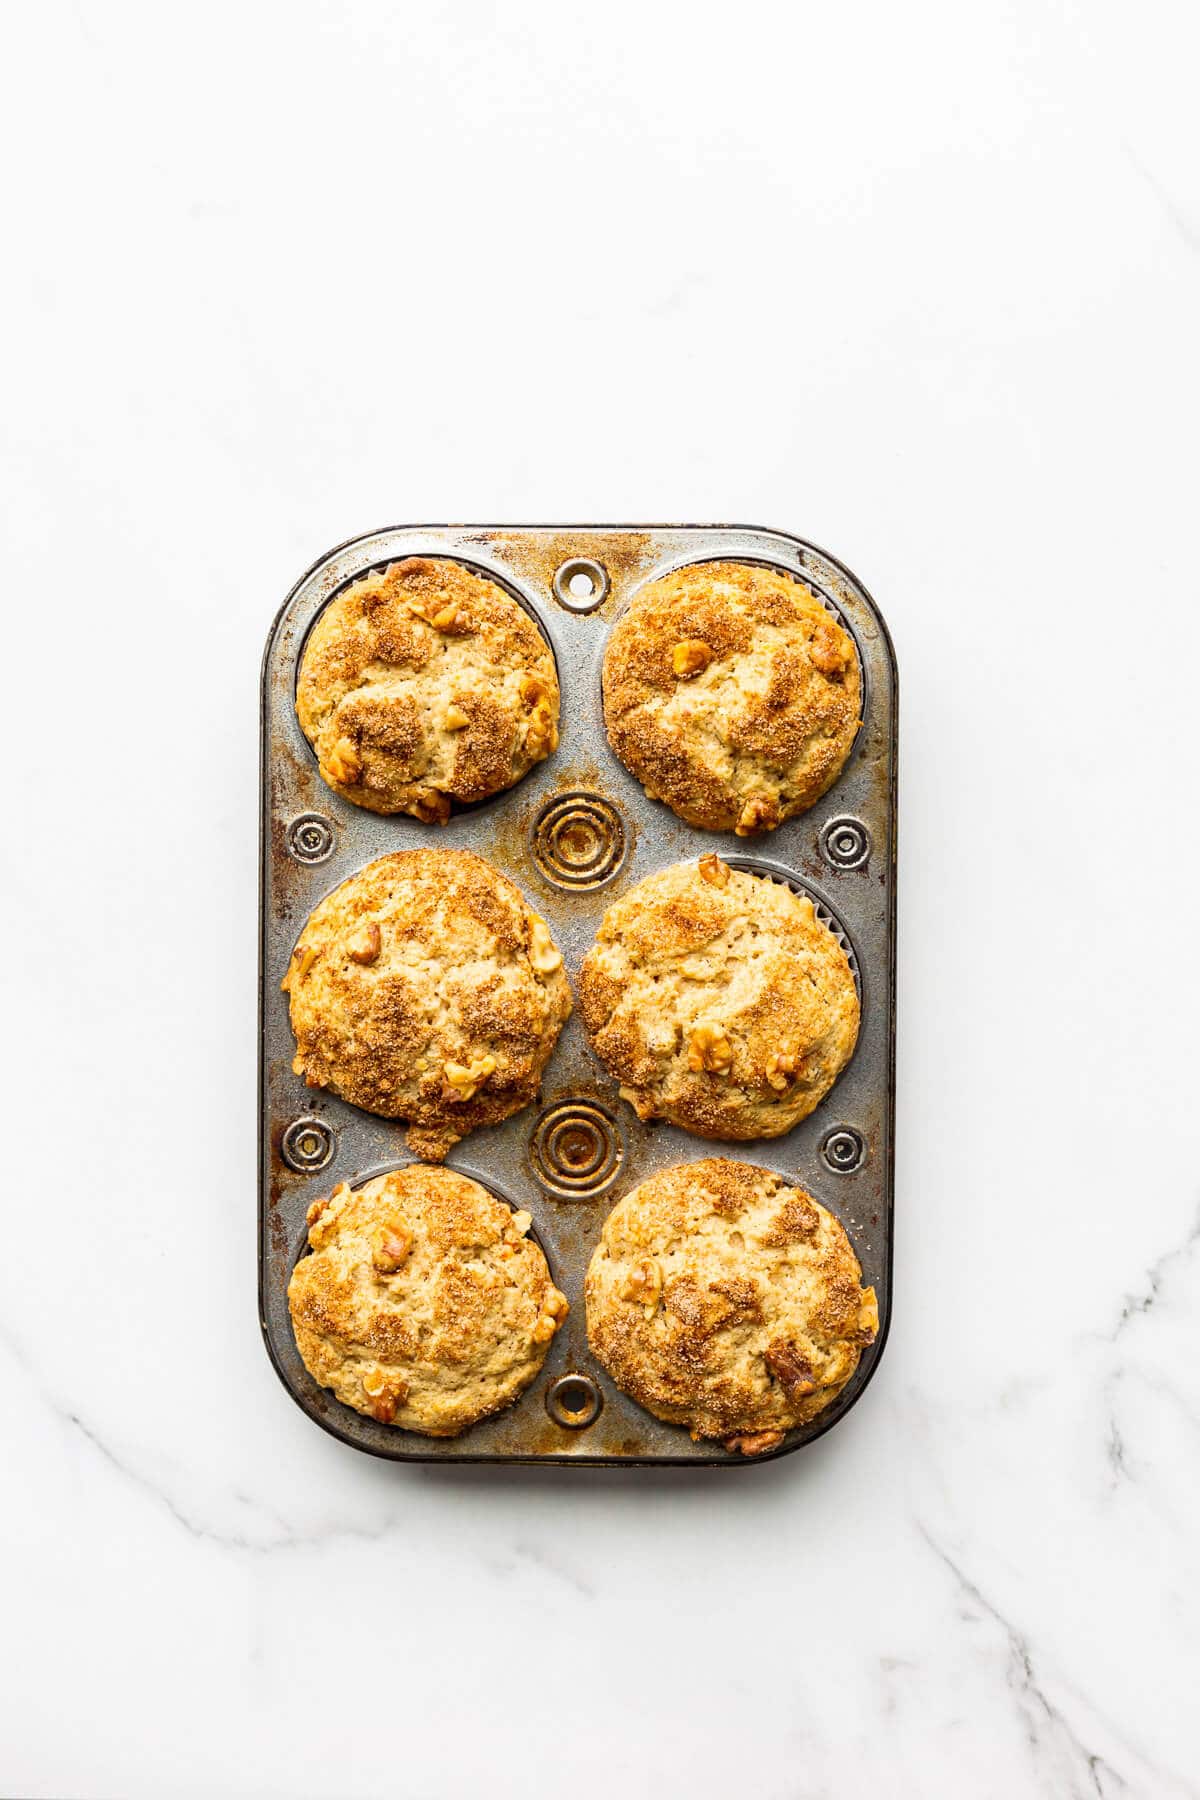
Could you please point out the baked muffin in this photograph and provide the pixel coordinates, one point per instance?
(719, 1001)
(733, 694)
(722, 1299)
(423, 1303)
(423, 988)
(425, 683)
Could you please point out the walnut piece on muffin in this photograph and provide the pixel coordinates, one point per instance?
(723, 1299)
(718, 1000)
(422, 1303)
(425, 683)
(733, 694)
(424, 988)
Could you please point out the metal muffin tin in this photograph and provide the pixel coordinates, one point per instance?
(573, 834)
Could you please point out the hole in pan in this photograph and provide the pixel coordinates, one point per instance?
(574, 1400)
(580, 584)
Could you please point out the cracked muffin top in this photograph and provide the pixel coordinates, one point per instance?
(719, 1001)
(423, 1303)
(733, 694)
(722, 1299)
(424, 988)
(425, 683)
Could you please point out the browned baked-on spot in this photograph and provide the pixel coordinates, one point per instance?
(796, 1220)
(790, 1367)
(754, 1443)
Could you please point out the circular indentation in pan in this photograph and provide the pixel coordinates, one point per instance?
(306, 1145)
(579, 840)
(845, 842)
(825, 913)
(574, 1401)
(576, 1149)
(310, 838)
(843, 1150)
(580, 584)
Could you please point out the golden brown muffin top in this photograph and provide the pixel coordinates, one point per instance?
(719, 1000)
(723, 1299)
(423, 1303)
(424, 683)
(424, 988)
(733, 694)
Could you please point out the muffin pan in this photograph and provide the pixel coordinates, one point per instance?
(573, 834)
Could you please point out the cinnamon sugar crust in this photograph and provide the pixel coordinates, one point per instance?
(718, 1000)
(423, 1303)
(424, 988)
(725, 1300)
(425, 683)
(733, 694)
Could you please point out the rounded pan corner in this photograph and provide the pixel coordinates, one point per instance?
(281, 613)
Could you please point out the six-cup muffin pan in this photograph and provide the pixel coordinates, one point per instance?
(573, 834)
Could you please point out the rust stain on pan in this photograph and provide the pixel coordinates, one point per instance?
(296, 789)
(535, 556)
(278, 1235)
(574, 838)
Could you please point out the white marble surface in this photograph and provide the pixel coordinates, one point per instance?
(921, 283)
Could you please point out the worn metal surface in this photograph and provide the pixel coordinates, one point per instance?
(576, 832)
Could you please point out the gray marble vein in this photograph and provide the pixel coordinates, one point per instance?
(1135, 1306)
(1184, 227)
(1062, 1763)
